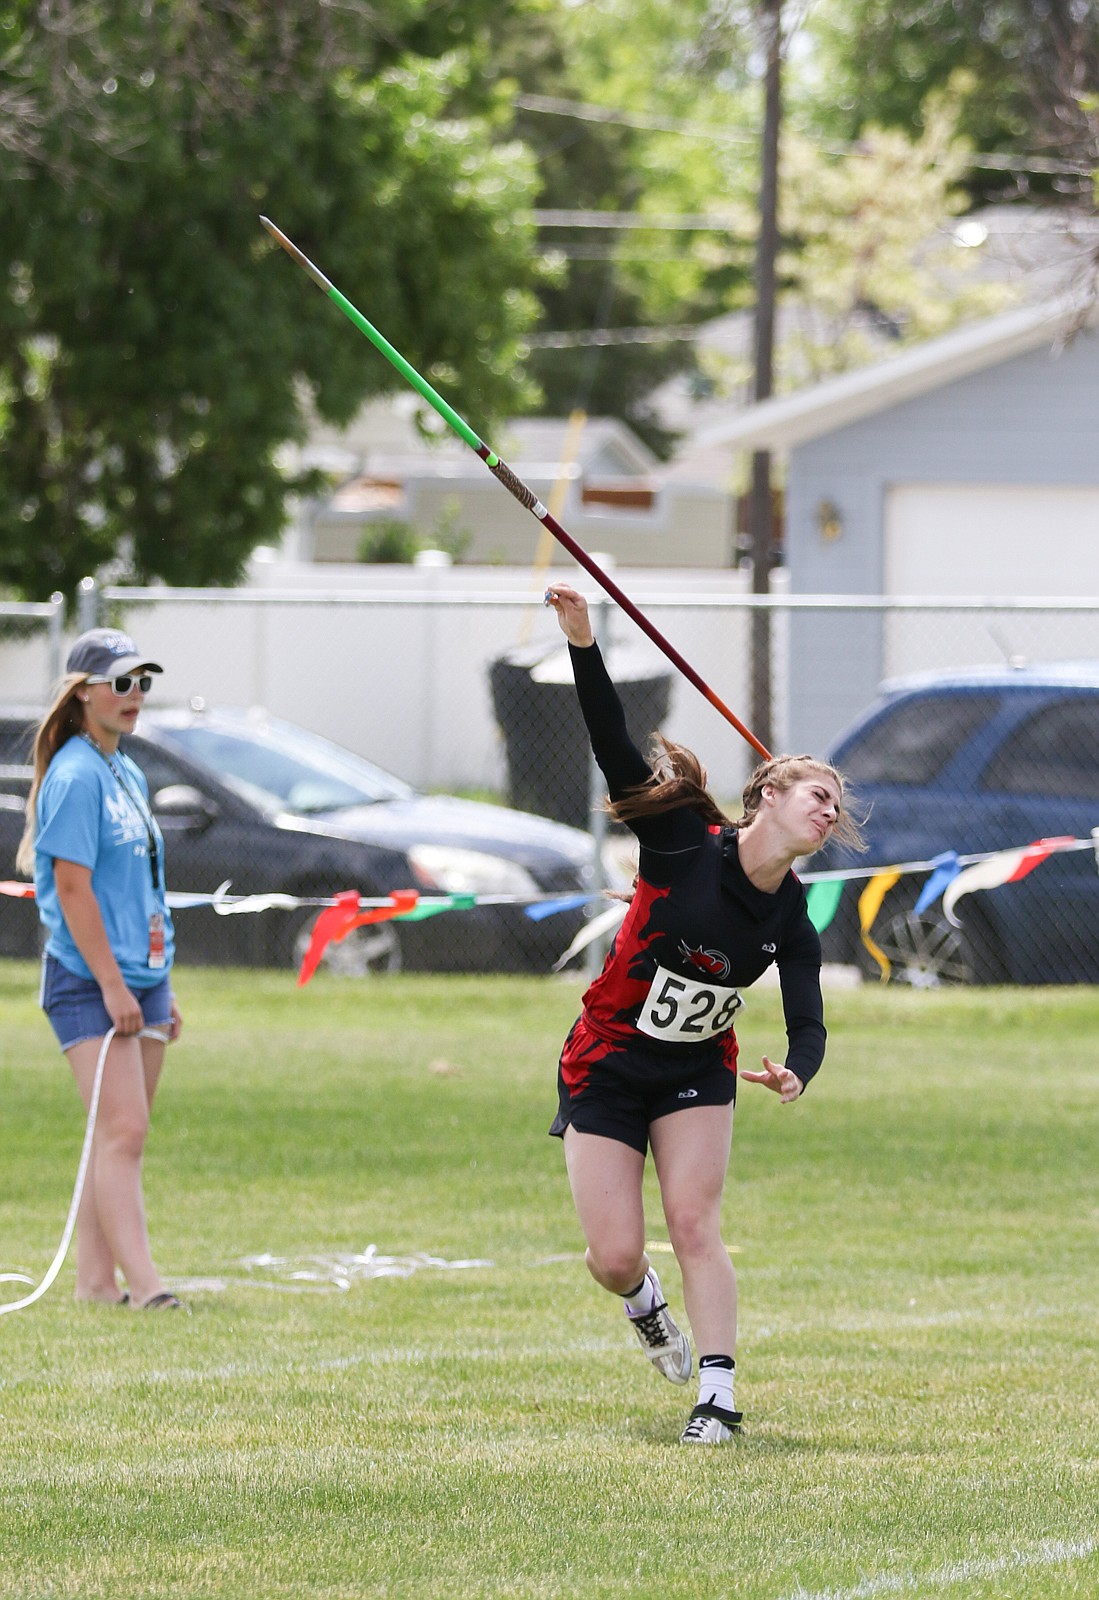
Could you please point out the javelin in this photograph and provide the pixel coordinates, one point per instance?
(514, 484)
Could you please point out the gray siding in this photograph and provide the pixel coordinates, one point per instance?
(1030, 420)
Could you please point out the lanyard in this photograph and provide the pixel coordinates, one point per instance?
(142, 810)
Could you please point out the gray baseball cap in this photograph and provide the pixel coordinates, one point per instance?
(106, 653)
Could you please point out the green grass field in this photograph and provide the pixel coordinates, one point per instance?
(918, 1252)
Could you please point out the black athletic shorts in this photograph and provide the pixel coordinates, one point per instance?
(618, 1089)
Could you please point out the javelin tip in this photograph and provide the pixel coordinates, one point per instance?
(299, 256)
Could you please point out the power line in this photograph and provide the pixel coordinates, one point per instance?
(687, 223)
(550, 105)
(588, 337)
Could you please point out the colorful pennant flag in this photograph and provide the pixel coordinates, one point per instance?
(822, 902)
(1006, 866)
(550, 908)
(450, 902)
(606, 922)
(944, 869)
(869, 905)
(339, 919)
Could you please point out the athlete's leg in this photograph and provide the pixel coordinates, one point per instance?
(605, 1178)
(691, 1155)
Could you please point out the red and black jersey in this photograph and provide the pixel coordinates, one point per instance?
(697, 929)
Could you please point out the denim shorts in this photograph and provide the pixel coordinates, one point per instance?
(75, 1006)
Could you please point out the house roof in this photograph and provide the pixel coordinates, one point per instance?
(788, 420)
(383, 440)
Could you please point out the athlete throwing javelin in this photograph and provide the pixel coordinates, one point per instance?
(651, 1060)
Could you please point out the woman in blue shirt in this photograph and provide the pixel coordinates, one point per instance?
(97, 857)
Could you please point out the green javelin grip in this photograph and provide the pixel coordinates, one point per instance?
(511, 481)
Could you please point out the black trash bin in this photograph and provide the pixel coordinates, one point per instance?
(544, 734)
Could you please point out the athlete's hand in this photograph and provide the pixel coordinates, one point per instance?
(572, 614)
(777, 1077)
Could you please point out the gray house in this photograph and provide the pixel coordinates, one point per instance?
(968, 466)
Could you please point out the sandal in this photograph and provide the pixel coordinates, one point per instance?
(164, 1301)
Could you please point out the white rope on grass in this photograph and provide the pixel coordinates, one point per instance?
(78, 1188)
(1050, 1552)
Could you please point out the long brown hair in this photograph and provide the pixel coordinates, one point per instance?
(64, 718)
(679, 779)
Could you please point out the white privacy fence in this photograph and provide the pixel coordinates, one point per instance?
(458, 679)
(402, 672)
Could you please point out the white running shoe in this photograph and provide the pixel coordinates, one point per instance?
(667, 1348)
(709, 1424)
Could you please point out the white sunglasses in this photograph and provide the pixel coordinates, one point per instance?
(126, 681)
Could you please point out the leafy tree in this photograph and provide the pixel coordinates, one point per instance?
(861, 252)
(641, 59)
(1033, 66)
(153, 341)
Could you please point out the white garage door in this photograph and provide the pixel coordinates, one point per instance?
(950, 540)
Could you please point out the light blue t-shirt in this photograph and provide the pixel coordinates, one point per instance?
(84, 815)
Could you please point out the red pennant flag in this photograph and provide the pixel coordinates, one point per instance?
(336, 922)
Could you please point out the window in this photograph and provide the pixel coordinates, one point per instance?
(1054, 752)
(16, 741)
(278, 765)
(159, 769)
(912, 743)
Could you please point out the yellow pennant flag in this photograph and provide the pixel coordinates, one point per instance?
(869, 905)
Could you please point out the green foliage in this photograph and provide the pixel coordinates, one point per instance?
(642, 60)
(388, 540)
(915, 1244)
(859, 230)
(152, 337)
(1034, 66)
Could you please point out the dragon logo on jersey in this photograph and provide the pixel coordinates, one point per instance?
(711, 962)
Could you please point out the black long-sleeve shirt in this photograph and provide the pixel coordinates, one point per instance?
(697, 928)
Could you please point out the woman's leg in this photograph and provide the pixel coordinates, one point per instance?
(691, 1154)
(605, 1178)
(95, 1262)
(115, 1169)
(152, 1060)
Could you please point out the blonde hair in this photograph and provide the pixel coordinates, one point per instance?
(64, 718)
(782, 772)
(679, 779)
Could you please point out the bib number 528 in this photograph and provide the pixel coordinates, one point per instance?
(683, 1010)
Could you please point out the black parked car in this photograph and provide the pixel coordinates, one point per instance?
(271, 807)
(978, 761)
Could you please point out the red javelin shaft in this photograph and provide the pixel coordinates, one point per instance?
(511, 481)
(527, 497)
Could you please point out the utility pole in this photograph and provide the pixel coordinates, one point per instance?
(761, 515)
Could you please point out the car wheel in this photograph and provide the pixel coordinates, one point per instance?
(926, 951)
(364, 953)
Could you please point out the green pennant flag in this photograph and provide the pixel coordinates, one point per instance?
(454, 902)
(822, 902)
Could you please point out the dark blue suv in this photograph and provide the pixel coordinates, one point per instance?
(975, 761)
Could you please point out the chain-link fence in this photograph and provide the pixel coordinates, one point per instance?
(457, 684)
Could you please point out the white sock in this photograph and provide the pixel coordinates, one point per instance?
(715, 1381)
(644, 1297)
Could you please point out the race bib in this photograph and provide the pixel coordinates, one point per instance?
(684, 1011)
